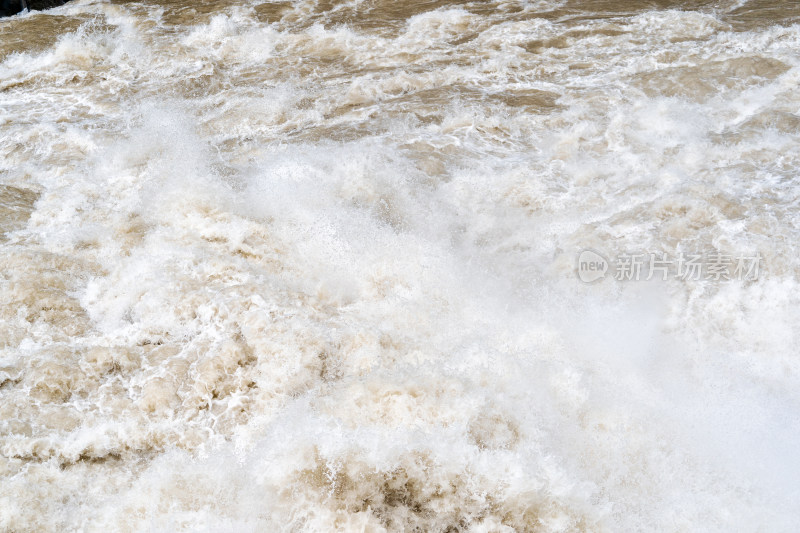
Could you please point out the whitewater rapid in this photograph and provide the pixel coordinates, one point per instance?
(311, 266)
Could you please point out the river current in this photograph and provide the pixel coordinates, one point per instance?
(389, 266)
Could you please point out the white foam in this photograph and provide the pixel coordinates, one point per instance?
(307, 276)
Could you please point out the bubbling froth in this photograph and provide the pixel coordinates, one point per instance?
(311, 266)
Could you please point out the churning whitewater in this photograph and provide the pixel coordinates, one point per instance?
(311, 266)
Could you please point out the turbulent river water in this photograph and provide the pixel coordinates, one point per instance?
(314, 266)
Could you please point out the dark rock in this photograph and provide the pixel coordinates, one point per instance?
(12, 7)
